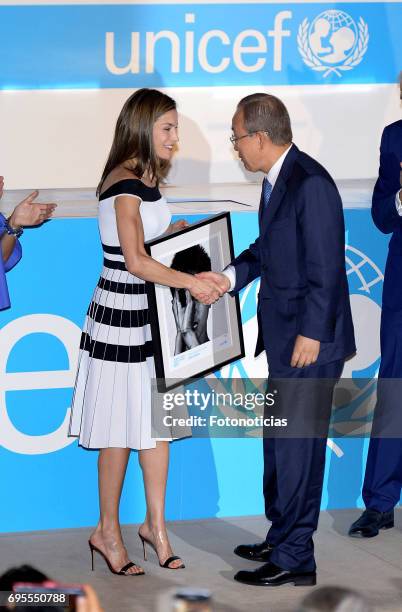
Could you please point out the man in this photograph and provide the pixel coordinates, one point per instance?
(383, 478)
(304, 322)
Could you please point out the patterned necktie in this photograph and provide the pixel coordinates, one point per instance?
(266, 193)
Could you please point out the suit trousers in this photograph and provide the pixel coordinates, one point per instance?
(294, 473)
(383, 477)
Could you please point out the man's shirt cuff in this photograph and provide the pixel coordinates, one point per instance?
(398, 204)
(230, 273)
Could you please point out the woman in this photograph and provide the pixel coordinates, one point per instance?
(112, 399)
(26, 213)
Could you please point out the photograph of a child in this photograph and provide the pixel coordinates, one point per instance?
(190, 315)
(190, 337)
(190, 324)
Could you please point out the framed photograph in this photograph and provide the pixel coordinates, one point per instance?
(192, 339)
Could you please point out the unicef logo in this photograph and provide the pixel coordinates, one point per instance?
(365, 285)
(333, 42)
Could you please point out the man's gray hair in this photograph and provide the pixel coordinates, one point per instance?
(265, 113)
(333, 599)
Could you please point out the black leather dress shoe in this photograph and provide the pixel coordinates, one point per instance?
(254, 552)
(270, 575)
(370, 522)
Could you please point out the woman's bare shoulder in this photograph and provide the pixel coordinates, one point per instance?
(117, 175)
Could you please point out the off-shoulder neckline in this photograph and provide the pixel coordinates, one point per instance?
(112, 188)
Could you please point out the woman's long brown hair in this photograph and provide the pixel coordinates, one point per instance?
(133, 137)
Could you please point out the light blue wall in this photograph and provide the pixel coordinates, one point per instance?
(218, 477)
(62, 260)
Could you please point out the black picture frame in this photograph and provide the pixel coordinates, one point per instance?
(213, 230)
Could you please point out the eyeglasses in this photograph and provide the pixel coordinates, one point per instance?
(234, 139)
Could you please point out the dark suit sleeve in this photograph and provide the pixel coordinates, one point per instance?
(383, 210)
(320, 215)
(247, 266)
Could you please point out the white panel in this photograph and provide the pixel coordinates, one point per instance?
(60, 138)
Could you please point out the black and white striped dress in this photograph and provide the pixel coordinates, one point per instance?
(112, 396)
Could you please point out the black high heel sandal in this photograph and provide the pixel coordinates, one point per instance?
(168, 561)
(124, 569)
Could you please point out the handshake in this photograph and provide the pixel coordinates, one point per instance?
(208, 287)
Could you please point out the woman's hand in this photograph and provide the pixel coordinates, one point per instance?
(218, 278)
(28, 212)
(178, 225)
(205, 291)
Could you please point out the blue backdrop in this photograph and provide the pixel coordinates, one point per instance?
(102, 46)
(53, 479)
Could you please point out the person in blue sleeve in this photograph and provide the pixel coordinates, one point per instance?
(383, 477)
(25, 214)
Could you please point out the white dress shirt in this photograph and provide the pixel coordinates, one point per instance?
(272, 176)
(398, 203)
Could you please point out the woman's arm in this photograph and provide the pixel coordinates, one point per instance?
(8, 243)
(26, 213)
(139, 263)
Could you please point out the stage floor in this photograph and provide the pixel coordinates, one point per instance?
(371, 566)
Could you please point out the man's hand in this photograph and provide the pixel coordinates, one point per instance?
(305, 352)
(1, 185)
(28, 212)
(205, 291)
(219, 279)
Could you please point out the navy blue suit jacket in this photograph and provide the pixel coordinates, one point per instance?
(385, 214)
(300, 257)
